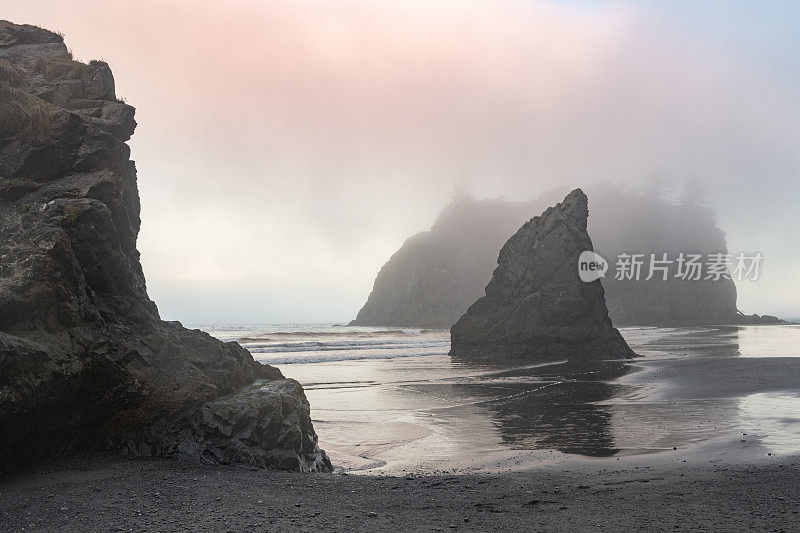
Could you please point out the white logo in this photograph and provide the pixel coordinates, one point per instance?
(591, 266)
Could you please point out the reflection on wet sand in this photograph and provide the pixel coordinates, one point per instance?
(552, 407)
(739, 381)
(433, 413)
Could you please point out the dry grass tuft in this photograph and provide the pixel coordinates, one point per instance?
(56, 67)
(71, 212)
(9, 74)
(23, 116)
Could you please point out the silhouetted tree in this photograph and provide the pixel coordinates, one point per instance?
(460, 193)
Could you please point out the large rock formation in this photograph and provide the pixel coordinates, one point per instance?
(432, 279)
(436, 275)
(536, 307)
(85, 360)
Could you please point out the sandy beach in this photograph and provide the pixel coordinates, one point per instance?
(99, 494)
(698, 434)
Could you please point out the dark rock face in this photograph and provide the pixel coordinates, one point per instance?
(536, 307)
(85, 360)
(436, 275)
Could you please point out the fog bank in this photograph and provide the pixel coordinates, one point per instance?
(286, 149)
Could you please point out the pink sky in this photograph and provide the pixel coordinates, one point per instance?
(286, 149)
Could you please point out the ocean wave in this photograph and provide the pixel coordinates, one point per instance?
(282, 335)
(321, 346)
(642, 335)
(333, 357)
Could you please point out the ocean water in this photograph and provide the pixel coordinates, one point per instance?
(326, 343)
(390, 400)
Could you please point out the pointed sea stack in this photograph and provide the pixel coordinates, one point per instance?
(536, 306)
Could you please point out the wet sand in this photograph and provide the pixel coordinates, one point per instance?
(695, 387)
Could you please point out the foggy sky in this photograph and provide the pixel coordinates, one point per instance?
(287, 148)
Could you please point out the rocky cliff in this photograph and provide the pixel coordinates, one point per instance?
(432, 279)
(85, 360)
(436, 275)
(536, 307)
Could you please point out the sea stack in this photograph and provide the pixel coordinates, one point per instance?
(85, 360)
(536, 307)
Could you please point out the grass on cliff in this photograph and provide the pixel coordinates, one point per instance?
(23, 116)
(9, 74)
(60, 66)
(57, 67)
